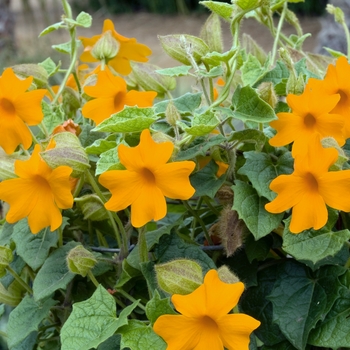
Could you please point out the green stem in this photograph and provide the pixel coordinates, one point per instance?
(122, 242)
(347, 35)
(19, 279)
(132, 299)
(199, 219)
(93, 279)
(25, 151)
(143, 251)
(278, 32)
(44, 129)
(3, 334)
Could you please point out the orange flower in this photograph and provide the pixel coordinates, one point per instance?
(69, 126)
(310, 188)
(111, 96)
(129, 50)
(18, 109)
(311, 114)
(205, 322)
(203, 161)
(147, 180)
(38, 193)
(337, 81)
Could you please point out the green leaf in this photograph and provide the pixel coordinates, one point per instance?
(224, 10)
(54, 274)
(276, 75)
(50, 66)
(112, 343)
(200, 147)
(262, 168)
(100, 146)
(130, 119)
(17, 265)
(251, 209)
(250, 107)
(334, 53)
(109, 160)
(213, 73)
(93, 321)
(6, 233)
(247, 4)
(157, 307)
(175, 71)
(249, 136)
(28, 343)
(334, 331)
(216, 58)
(205, 181)
(84, 20)
(137, 335)
(251, 70)
(65, 47)
(254, 303)
(313, 246)
(53, 116)
(300, 300)
(185, 104)
(51, 28)
(34, 249)
(26, 318)
(202, 124)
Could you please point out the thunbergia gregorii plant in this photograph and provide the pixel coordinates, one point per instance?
(138, 218)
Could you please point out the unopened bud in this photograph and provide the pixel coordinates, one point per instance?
(337, 12)
(13, 295)
(106, 47)
(172, 115)
(68, 151)
(180, 276)
(68, 126)
(6, 258)
(295, 85)
(39, 74)
(267, 93)
(226, 275)
(92, 207)
(211, 33)
(80, 260)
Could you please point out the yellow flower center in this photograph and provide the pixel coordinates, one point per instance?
(7, 106)
(309, 121)
(148, 176)
(208, 324)
(311, 182)
(42, 183)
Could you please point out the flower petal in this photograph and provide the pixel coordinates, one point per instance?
(99, 109)
(179, 332)
(11, 86)
(147, 154)
(140, 98)
(28, 106)
(310, 212)
(334, 187)
(235, 330)
(149, 205)
(214, 298)
(124, 185)
(173, 179)
(61, 187)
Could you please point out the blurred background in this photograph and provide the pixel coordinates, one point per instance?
(22, 20)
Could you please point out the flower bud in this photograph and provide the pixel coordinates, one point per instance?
(337, 12)
(68, 126)
(172, 115)
(295, 85)
(13, 295)
(92, 207)
(68, 151)
(211, 33)
(267, 93)
(80, 260)
(226, 275)
(6, 258)
(180, 276)
(39, 74)
(225, 195)
(106, 47)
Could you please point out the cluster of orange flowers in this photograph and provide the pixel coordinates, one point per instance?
(39, 192)
(321, 111)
